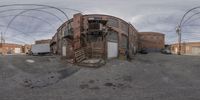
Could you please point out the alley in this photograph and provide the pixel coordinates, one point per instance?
(147, 77)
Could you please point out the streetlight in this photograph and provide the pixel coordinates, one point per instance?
(178, 28)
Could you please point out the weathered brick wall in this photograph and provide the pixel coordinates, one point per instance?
(9, 48)
(151, 40)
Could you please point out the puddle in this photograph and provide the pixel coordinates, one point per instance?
(30, 61)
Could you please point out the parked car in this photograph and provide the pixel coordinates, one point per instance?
(143, 51)
(166, 51)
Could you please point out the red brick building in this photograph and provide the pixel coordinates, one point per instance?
(8, 48)
(151, 41)
(189, 48)
(45, 41)
(98, 36)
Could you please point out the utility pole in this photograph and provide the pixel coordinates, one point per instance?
(1, 44)
(1, 38)
(178, 31)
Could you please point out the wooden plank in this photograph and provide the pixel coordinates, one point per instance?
(80, 55)
(80, 59)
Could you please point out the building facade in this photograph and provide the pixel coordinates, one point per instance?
(8, 48)
(97, 36)
(151, 41)
(26, 48)
(189, 48)
(45, 41)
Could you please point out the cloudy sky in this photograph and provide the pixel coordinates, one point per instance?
(146, 15)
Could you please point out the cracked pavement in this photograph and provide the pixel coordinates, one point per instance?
(147, 77)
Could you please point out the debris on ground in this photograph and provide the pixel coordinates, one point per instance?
(48, 79)
(44, 81)
(30, 61)
(93, 63)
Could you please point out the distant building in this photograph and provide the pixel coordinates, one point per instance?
(8, 48)
(151, 41)
(97, 36)
(188, 48)
(26, 48)
(43, 41)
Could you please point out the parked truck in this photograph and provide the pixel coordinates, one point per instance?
(40, 49)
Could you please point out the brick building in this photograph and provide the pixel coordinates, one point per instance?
(189, 48)
(96, 36)
(151, 41)
(45, 41)
(8, 48)
(26, 48)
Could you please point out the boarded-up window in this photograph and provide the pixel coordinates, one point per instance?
(124, 41)
(113, 22)
(112, 36)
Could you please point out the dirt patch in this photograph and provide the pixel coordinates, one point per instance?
(87, 86)
(67, 72)
(91, 81)
(84, 86)
(51, 78)
(109, 85)
(117, 85)
(127, 78)
(94, 88)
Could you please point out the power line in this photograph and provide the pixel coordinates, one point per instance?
(36, 9)
(18, 31)
(30, 17)
(39, 5)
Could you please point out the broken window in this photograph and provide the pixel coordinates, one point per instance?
(113, 36)
(94, 26)
(68, 30)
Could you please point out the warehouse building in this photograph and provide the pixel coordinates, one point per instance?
(9, 48)
(151, 41)
(43, 41)
(95, 36)
(189, 48)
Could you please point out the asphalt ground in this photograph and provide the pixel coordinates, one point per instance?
(147, 77)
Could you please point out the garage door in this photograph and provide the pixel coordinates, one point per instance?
(64, 51)
(17, 50)
(196, 50)
(112, 50)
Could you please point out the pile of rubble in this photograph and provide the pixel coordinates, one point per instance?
(95, 63)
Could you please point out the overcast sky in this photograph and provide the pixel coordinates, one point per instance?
(146, 15)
